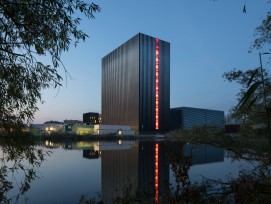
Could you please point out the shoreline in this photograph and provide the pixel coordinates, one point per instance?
(57, 137)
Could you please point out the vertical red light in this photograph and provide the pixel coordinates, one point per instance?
(157, 67)
(156, 178)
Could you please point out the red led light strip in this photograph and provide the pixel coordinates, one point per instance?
(156, 179)
(157, 66)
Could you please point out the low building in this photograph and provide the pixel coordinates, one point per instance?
(68, 128)
(83, 129)
(37, 129)
(114, 130)
(91, 118)
(56, 128)
(187, 117)
(72, 122)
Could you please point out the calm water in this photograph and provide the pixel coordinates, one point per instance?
(103, 169)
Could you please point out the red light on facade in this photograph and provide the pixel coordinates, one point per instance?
(157, 66)
(156, 177)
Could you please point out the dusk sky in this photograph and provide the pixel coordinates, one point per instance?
(207, 38)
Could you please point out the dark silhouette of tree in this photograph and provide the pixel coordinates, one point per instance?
(263, 32)
(254, 96)
(53, 121)
(250, 107)
(30, 30)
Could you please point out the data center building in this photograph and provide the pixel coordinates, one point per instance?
(185, 118)
(136, 85)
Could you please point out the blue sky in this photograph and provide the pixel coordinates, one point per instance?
(207, 38)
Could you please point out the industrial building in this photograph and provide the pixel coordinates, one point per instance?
(91, 118)
(136, 85)
(187, 117)
(113, 130)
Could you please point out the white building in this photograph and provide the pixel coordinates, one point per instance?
(113, 129)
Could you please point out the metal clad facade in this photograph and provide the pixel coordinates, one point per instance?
(147, 84)
(186, 118)
(175, 119)
(192, 117)
(164, 86)
(196, 117)
(120, 85)
(128, 85)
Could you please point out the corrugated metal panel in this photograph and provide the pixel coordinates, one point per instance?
(128, 85)
(147, 84)
(164, 86)
(187, 117)
(120, 85)
(198, 117)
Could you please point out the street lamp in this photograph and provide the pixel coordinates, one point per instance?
(264, 94)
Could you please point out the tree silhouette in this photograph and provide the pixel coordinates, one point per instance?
(30, 30)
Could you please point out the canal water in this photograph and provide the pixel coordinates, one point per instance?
(106, 170)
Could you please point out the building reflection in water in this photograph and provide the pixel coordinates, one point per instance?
(90, 154)
(203, 153)
(153, 169)
(139, 167)
(142, 167)
(119, 162)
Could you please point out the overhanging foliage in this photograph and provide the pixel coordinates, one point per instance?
(31, 29)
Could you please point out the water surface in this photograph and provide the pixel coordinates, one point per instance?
(105, 169)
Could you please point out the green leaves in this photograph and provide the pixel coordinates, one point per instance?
(30, 30)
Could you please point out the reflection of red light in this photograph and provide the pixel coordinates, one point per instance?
(157, 48)
(156, 178)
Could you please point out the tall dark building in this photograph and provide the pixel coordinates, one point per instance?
(136, 85)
